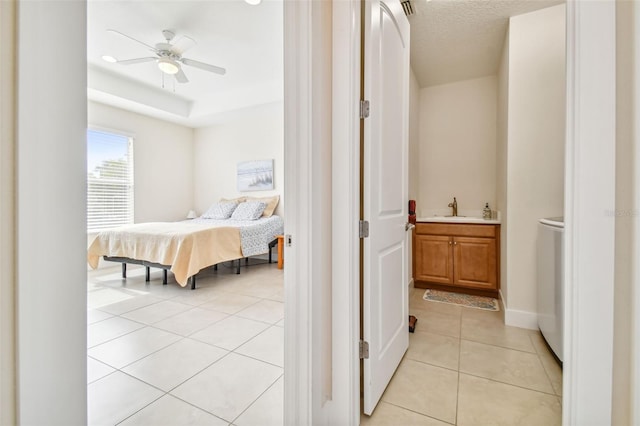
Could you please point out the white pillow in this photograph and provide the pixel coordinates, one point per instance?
(249, 210)
(220, 210)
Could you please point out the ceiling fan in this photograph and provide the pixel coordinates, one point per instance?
(168, 56)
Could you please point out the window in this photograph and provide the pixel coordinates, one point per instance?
(109, 180)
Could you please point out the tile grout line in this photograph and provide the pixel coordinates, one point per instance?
(153, 326)
(119, 336)
(183, 338)
(199, 408)
(526, 337)
(257, 398)
(416, 412)
(198, 372)
(146, 405)
(147, 355)
(543, 367)
(501, 347)
(504, 382)
(168, 393)
(510, 384)
(195, 374)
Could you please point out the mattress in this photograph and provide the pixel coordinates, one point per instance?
(188, 246)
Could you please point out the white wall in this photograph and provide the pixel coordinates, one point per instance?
(414, 156)
(51, 280)
(626, 221)
(252, 134)
(163, 162)
(458, 145)
(7, 217)
(414, 136)
(535, 148)
(502, 127)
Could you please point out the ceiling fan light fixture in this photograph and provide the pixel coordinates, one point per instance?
(253, 2)
(109, 58)
(168, 66)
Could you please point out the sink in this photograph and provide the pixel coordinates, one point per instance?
(456, 219)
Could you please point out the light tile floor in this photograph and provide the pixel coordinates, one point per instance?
(167, 355)
(465, 367)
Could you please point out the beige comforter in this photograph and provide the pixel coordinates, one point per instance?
(185, 246)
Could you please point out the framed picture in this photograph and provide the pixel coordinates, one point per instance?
(255, 175)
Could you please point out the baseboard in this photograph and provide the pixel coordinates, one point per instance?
(516, 318)
(411, 283)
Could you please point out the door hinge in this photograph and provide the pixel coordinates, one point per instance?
(364, 229)
(364, 349)
(364, 109)
(287, 240)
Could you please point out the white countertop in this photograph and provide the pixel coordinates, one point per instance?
(459, 219)
(464, 216)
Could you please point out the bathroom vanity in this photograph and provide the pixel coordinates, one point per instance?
(457, 254)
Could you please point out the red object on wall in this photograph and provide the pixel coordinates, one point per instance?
(412, 211)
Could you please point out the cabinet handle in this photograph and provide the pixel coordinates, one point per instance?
(455, 243)
(449, 242)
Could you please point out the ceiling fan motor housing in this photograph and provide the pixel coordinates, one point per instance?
(169, 56)
(168, 35)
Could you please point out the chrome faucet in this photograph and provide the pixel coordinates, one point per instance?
(454, 206)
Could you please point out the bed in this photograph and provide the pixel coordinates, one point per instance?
(185, 247)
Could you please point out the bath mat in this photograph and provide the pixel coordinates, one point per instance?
(478, 302)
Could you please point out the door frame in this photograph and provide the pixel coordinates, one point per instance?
(589, 250)
(322, 50)
(590, 72)
(344, 31)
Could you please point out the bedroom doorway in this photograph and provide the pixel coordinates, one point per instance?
(165, 343)
(49, 306)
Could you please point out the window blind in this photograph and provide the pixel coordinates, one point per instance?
(109, 180)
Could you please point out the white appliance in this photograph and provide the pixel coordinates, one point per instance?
(550, 282)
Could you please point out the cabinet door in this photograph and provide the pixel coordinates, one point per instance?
(475, 262)
(434, 262)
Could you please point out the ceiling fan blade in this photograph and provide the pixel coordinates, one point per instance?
(182, 45)
(131, 38)
(136, 61)
(181, 77)
(203, 66)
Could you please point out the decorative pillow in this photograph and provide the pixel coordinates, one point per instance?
(249, 210)
(220, 210)
(271, 202)
(235, 200)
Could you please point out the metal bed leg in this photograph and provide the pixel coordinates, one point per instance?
(124, 270)
(147, 276)
(215, 267)
(246, 260)
(238, 270)
(271, 246)
(193, 282)
(164, 277)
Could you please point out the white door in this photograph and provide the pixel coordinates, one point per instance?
(386, 86)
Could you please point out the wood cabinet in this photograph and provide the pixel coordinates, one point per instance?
(457, 257)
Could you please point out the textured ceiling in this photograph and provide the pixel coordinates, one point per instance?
(453, 40)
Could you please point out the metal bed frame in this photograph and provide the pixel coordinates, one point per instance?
(192, 279)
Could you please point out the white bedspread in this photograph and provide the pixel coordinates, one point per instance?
(255, 235)
(187, 246)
